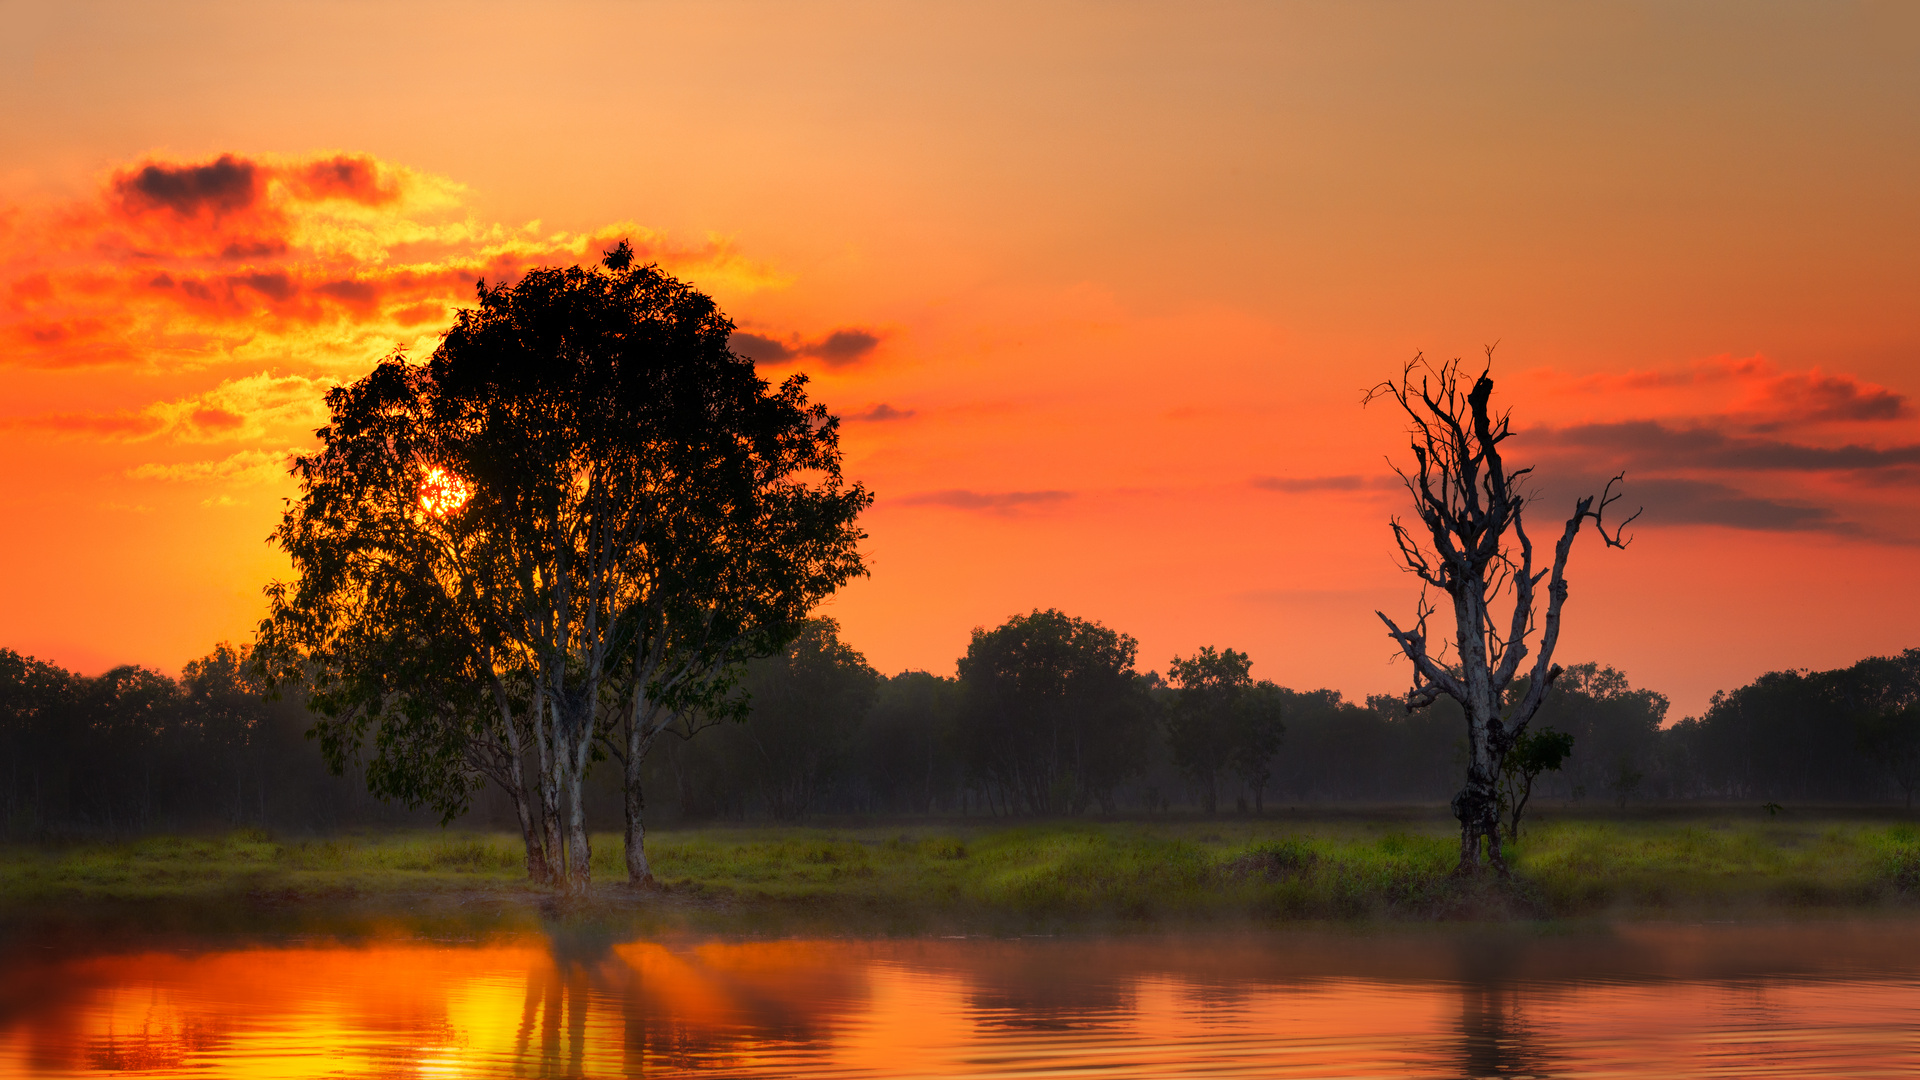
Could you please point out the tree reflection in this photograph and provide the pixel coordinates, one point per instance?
(1496, 1034)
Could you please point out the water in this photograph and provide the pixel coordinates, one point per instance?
(1666, 1001)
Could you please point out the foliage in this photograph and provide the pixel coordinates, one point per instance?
(1055, 718)
(806, 707)
(1784, 736)
(1535, 752)
(133, 749)
(597, 508)
(1891, 737)
(1223, 722)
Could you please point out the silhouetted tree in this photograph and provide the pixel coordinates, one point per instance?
(906, 753)
(1533, 753)
(612, 508)
(1609, 720)
(35, 703)
(1891, 737)
(807, 705)
(1221, 721)
(386, 629)
(1257, 729)
(1471, 510)
(1054, 718)
(1883, 695)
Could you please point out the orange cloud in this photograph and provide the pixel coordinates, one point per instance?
(244, 467)
(253, 407)
(325, 260)
(1751, 391)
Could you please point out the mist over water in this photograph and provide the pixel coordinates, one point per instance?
(1670, 1001)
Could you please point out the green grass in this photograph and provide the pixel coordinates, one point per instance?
(1001, 878)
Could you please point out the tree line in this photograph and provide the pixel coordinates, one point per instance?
(1046, 715)
(134, 750)
(827, 734)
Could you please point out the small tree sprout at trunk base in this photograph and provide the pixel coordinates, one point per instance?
(1471, 544)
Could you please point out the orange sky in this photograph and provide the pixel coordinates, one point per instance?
(1123, 269)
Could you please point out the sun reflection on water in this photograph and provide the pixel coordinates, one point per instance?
(1267, 1006)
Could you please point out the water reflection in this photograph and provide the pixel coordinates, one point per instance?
(1673, 1001)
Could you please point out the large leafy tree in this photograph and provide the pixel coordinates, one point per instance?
(1055, 716)
(586, 505)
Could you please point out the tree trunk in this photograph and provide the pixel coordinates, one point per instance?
(1478, 805)
(537, 868)
(638, 872)
(579, 849)
(545, 728)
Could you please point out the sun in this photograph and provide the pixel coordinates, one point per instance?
(441, 492)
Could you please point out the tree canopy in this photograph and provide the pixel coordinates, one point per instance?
(1056, 717)
(1222, 722)
(594, 509)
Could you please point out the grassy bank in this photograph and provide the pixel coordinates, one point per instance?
(1003, 878)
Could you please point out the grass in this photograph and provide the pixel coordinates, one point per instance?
(998, 878)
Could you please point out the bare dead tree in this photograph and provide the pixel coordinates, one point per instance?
(1472, 545)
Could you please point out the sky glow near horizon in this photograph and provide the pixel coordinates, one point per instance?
(1095, 289)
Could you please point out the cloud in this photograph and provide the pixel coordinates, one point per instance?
(247, 408)
(882, 411)
(127, 425)
(220, 187)
(1002, 502)
(326, 260)
(1670, 501)
(1666, 501)
(1298, 484)
(244, 467)
(848, 345)
(357, 178)
(1659, 445)
(1815, 395)
(1754, 392)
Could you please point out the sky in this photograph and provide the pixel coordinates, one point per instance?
(1096, 289)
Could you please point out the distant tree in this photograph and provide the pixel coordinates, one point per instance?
(1625, 781)
(1890, 737)
(1053, 716)
(127, 715)
(1533, 753)
(226, 708)
(612, 509)
(1608, 718)
(1882, 694)
(1222, 722)
(1257, 729)
(907, 751)
(35, 703)
(1472, 545)
(807, 705)
(1782, 737)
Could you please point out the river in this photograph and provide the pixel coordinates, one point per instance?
(1813, 999)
